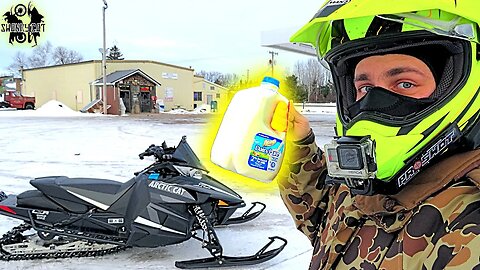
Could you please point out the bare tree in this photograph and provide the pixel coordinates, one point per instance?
(313, 76)
(62, 55)
(20, 60)
(219, 78)
(41, 55)
(74, 56)
(210, 76)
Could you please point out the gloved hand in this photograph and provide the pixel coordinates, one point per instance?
(287, 118)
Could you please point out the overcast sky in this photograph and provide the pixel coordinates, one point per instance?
(218, 35)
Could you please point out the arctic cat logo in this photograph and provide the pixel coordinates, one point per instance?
(167, 187)
(428, 155)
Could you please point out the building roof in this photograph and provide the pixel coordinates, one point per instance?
(111, 61)
(280, 39)
(202, 79)
(119, 75)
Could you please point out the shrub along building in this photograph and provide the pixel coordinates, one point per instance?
(138, 84)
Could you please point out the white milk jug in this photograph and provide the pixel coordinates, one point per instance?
(245, 142)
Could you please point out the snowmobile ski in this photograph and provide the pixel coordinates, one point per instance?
(247, 216)
(227, 261)
(212, 244)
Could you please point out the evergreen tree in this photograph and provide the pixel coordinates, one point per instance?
(298, 92)
(115, 54)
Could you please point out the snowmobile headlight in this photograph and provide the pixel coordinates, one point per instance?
(188, 171)
(196, 174)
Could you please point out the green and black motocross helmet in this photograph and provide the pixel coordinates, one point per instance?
(407, 134)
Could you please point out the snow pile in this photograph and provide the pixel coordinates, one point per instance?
(56, 108)
(204, 108)
(11, 85)
(52, 108)
(316, 108)
(178, 111)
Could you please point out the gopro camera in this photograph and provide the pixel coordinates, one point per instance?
(351, 161)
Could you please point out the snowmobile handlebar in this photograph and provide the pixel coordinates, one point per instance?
(159, 152)
(153, 150)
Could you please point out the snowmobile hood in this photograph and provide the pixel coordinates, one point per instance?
(207, 186)
(211, 183)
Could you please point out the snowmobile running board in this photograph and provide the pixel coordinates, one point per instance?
(247, 216)
(226, 261)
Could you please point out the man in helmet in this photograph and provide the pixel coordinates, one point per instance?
(399, 187)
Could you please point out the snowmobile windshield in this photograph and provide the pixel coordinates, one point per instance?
(184, 154)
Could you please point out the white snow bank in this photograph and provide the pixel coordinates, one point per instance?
(316, 108)
(11, 85)
(52, 108)
(204, 108)
(56, 108)
(308, 108)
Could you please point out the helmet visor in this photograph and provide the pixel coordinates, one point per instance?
(442, 55)
(333, 33)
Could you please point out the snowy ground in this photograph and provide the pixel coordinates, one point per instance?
(37, 143)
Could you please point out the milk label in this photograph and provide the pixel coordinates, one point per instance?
(265, 152)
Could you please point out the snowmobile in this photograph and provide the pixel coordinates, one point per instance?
(172, 200)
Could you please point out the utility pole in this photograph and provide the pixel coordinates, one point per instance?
(104, 64)
(21, 80)
(272, 60)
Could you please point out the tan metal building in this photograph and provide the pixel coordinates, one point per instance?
(76, 85)
(208, 93)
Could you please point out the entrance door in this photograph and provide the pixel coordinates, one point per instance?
(209, 99)
(127, 100)
(145, 102)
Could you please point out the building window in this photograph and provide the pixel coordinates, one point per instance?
(212, 87)
(197, 96)
(218, 95)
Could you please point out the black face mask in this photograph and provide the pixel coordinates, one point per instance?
(387, 102)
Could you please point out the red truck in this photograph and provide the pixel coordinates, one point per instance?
(13, 99)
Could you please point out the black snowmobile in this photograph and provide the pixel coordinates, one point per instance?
(164, 204)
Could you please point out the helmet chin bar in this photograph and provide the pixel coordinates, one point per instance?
(351, 162)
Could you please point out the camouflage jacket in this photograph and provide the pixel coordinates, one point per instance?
(432, 223)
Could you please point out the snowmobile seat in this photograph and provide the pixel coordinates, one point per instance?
(90, 184)
(77, 194)
(36, 199)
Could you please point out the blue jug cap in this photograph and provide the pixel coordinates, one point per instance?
(271, 80)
